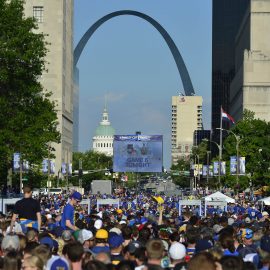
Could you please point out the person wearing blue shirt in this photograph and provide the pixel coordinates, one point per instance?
(67, 220)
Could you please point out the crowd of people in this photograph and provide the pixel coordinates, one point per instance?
(141, 233)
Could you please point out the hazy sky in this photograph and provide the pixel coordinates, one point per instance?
(128, 60)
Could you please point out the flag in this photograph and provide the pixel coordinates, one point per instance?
(226, 116)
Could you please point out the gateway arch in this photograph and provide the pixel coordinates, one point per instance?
(184, 75)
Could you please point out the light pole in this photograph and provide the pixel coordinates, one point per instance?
(207, 176)
(238, 140)
(219, 158)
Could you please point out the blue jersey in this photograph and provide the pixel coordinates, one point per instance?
(68, 214)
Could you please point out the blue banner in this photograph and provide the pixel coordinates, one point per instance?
(16, 162)
(216, 167)
(233, 165)
(205, 170)
(45, 165)
(52, 166)
(137, 153)
(64, 168)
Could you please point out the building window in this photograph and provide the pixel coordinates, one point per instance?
(38, 13)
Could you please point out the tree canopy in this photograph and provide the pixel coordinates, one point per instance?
(28, 119)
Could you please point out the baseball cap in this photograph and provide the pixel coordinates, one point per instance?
(119, 211)
(48, 216)
(133, 246)
(230, 221)
(76, 195)
(122, 222)
(98, 224)
(264, 213)
(56, 262)
(115, 230)
(47, 241)
(115, 240)
(85, 235)
(66, 235)
(202, 245)
(10, 242)
(265, 243)
(247, 220)
(247, 233)
(217, 228)
(102, 234)
(177, 251)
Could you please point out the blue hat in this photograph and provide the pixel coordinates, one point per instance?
(246, 233)
(115, 240)
(265, 243)
(76, 195)
(202, 245)
(47, 241)
(56, 262)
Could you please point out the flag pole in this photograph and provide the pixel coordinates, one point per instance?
(220, 148)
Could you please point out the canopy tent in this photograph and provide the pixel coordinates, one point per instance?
(266, 200)
(218, 196)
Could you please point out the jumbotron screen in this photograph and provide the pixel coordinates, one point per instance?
(137, 153)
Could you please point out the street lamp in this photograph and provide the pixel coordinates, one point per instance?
(219, 158)
(207, 176)
(238, 140)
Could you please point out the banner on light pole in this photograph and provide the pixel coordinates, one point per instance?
(52, 166)
(216, 167)
(233, 165)
(45, 166)
(242, 165)
(70, 168)
(16, 162)
(223, 168)
(64, 168)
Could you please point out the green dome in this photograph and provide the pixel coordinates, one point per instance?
(103, 130)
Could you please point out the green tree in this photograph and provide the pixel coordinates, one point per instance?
(28, 119)
(92, 161)
(177, 173)
(254, 145)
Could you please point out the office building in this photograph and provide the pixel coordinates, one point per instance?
(250, 88)
(226, 20)
(55, 19)
(186, 118)
(200, 135)
(103, 138)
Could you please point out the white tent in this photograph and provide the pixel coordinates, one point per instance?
(266, 200)
(218, 196)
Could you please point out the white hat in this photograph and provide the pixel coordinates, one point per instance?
(166, 245)
(115, 230)
(217, 228)
(47, 210)
(264, 213)
(84, 235)
(48, 216)
(100, 214)
(230, 221)
(98, 224)
(177, 251)
(122, 222)
(247, 220)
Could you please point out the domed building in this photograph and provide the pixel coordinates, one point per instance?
(103, 139)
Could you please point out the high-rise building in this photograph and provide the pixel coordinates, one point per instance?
(55, 19)
(103, 139)
(200, 135)
(186, 118)
(227, 17)
(250, 88)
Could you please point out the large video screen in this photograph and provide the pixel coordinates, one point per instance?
(137, 153)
